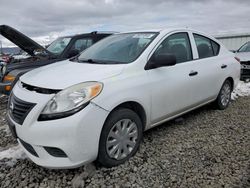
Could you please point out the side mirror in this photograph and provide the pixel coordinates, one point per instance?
(73, 53)
(161, 60)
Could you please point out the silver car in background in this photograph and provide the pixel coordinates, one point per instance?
(243, 53)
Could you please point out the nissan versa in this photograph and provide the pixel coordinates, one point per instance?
(97, 106)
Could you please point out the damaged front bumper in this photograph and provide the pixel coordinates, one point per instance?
(245, 71)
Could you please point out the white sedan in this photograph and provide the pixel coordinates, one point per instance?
(97, 106)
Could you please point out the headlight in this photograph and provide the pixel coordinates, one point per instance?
(70, 100)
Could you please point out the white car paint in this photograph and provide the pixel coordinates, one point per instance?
(164, 93)
(78, 72)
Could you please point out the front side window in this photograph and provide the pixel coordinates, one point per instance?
(206, 47)
(118, 48)
(59, 45)
(82, 44)
(245, 48)
(178, 45)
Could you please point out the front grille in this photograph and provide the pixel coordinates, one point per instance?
(29, 148)
(245, 62)
(19, 109)
(55, 152)
(245, 72)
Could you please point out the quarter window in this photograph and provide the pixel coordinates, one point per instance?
(216, 47)
(178, 45)
(206, 47)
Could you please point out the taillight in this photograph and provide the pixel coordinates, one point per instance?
(237, 59)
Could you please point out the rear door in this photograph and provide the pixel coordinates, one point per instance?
(209, 67)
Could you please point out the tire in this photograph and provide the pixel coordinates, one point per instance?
(224, 96)
(117, 125)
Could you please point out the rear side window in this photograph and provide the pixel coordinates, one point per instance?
(177, 44)
(82, 44)
(206, 47)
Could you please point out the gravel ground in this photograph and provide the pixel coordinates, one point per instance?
(204, 148)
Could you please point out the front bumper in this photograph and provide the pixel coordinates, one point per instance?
(245, 70)
(77, 135)
(3, 88)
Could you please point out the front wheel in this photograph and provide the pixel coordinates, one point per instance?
(224, 96)
(120, 138)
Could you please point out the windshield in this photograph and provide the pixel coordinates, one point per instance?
(118, 48)
(245, 48)
(59, 45)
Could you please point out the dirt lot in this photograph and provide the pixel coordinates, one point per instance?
(205, 148)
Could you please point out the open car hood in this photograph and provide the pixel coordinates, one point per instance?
(22, 41)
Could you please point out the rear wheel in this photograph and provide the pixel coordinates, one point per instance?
(120, 137)
(224, 96)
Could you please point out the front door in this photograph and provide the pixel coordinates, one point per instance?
(172, 87)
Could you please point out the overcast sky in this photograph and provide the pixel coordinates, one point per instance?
(44, 20)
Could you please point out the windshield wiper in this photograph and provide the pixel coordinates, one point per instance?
(92, 61)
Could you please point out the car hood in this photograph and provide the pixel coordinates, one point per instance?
(244, 56)
(29, 63)
(66, 73)
(22, 41)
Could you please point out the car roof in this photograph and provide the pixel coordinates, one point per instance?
(157, 30)
(173, 29)
(164, 30)
(94, 33)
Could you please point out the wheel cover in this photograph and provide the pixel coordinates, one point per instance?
(225, 94)
(122, 139)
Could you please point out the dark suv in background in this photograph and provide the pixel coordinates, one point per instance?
(61, 49)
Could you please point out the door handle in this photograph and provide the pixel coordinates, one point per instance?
(193, 73)
(223, 66)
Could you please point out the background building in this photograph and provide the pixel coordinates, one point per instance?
(233, 42)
